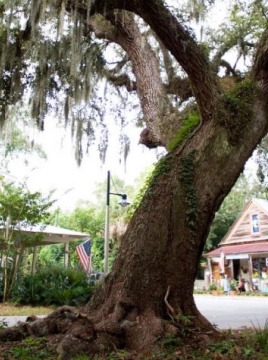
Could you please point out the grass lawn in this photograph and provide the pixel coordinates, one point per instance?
(8, 309)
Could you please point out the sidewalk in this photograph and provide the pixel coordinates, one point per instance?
(13, 320)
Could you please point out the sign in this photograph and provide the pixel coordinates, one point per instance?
(237, 256)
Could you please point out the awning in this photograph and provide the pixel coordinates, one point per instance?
(239, 249)
(52, 234)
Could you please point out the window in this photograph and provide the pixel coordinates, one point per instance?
(255, 225)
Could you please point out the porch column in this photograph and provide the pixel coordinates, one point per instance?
(250, 272)
(66, 254)
(210, 271)
(232, 268)
(34, 260)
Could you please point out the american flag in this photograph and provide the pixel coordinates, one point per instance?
(84, 254)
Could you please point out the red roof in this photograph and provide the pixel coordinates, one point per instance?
(240, 249)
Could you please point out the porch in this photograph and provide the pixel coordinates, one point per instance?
(245, 261)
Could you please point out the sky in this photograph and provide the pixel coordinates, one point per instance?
(72, 183)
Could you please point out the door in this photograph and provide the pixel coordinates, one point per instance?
(236, 268)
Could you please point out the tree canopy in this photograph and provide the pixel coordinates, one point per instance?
(72, 58)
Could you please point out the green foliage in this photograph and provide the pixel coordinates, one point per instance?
(189, 123)
(85, 218)
(224, 347)
(247, 19)
(3, 324)
(233, 284)
(230, 344)
(186, 176)
(162, 167)
(261, 336)
(238, 98)
(19, 209)
(31, 349)
(97, 249)
(187, 180)
(236, 110)
(20, 205)
(170, 342)
(213, 286)
(51, 254)
(52, 286)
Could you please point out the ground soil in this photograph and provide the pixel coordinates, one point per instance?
(226, 345)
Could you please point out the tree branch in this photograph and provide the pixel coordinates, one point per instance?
(161, 118)
(229, 68)
(121, 80)
(260, 67)
(178, 41)
(180, 87)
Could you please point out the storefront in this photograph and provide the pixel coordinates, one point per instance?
(243, 252)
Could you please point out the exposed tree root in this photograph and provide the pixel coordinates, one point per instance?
(80, 335)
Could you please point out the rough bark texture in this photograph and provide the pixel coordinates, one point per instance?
(150, 286)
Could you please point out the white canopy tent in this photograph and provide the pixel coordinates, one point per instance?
(54, 235)
(51, 235)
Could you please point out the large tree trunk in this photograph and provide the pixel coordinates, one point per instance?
(152, 279)
(150, 288)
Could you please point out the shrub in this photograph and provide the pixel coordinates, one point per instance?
(52, 286)
(261, 335)
(233, 285)
(213, 286)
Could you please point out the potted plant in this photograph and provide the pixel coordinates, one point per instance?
(233, 287)
(213, 288)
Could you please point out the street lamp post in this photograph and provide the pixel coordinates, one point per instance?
(123, 203)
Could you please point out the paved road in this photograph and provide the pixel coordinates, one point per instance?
(13, 320)
(224, 311)
(233, 312)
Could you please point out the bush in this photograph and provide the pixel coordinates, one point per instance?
(53, 286)
(233, 285)
(213, 286)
